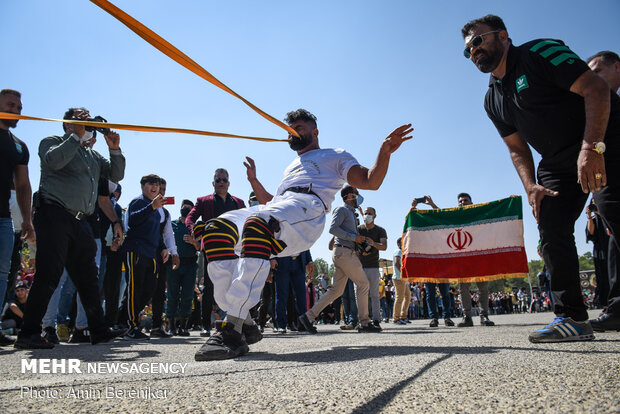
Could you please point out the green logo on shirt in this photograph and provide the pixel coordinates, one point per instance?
(522, 83)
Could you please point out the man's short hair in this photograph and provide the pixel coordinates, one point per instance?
(463, 195)
(607, 56)
(149, 178)
(346, 190)
(10, 92)
(69, 115)
(188, 202)
(373, 210)
(119, 189)
(162, 181)
(491, 20)
(300, 115)
(220, 171)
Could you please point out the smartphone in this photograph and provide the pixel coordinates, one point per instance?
(169, 200)
(420, 200)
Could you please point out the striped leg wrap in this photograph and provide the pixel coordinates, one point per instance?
(258, 239)
(219, 237)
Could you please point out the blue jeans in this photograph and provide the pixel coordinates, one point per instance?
(349, 305)
(432, 299)
(51, 315)
(7, 238)
(385, 314)
(290, 273)
(180, 284)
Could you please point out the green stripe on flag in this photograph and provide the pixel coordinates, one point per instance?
(564, 56)
(505, 209)
(543, 43)
(550, 51)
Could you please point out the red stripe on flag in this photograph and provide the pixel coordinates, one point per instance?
(484, 264)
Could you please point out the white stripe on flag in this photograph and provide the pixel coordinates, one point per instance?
(479, 237)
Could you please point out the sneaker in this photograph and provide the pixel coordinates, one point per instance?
(485, 321)
(368, 328)
(401, 322)
(252, 333)
(49, 333)
(396, 321)
(34, 341)
(226, 343)
(305, 322)
(562, 330)
(434, 323)
(348, 327)
(105, 335)
(135, 334)
(466, 322)
(280, 330)
(62, 331)
(377, 325)
(161, 333)
(448, 322)
(205, 332)
(5, 340)
(79, 336)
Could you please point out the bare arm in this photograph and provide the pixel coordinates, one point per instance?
(261, 194)
(595, 93)
(524, 164)
(23, 190)
(382, 245)
(371, 179)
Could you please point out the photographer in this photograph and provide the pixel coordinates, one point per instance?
(346, 262)
(70, 172)
(598, 234)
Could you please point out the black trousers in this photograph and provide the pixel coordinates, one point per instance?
(141, 280)
(159, 294)
(112, 285)
(267, 304)
(62, 241)
(557, 227)
(207, 301)
(602, 281)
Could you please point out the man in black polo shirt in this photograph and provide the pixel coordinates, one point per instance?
(544, 95)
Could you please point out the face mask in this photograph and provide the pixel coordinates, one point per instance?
(185, 211)
(360, 200)
(254, 203)
(368, 219)
(88, 135)
(297, 144)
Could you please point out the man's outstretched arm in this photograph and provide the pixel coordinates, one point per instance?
(371, 179)
(261, 194)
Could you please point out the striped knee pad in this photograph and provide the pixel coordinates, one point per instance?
(219, 237)
(258, 239)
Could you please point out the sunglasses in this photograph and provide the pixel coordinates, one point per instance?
(219, 180)
(476, 42)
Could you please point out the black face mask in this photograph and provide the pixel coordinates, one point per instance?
(297, 144)
(185, 211)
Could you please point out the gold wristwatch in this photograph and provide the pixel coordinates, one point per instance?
(598, 147)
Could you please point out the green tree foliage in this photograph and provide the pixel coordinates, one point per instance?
(321, 266)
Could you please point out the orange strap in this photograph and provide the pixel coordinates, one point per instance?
(128, 127)
(181, 58)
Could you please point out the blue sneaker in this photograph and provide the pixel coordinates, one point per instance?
(563, 330)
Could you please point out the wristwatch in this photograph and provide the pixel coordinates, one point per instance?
(598, 147)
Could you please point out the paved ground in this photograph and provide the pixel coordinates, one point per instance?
(404, 369)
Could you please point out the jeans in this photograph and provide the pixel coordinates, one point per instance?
(51, 316)
(181, 284)
(432, 299)
(384, 309)
(373, 275)
(349, 305)
(290, 273)
(6, 250)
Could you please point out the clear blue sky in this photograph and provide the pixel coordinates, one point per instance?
(362, 67)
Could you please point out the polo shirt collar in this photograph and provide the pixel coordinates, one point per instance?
(511, 61)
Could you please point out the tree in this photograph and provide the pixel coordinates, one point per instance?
(321, 266)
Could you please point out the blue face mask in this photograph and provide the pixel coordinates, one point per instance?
(254, 203)
(360, 200)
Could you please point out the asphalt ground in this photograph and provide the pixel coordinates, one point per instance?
(404, 369)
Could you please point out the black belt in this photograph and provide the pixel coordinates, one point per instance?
(346, 247)
(78, 215)
(305, 190)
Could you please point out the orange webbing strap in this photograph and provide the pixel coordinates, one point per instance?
(128, 127)
(181, 58)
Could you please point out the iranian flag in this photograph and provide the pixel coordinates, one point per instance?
(473, 243)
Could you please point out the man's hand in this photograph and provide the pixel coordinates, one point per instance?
(535, 194)
(118, 232)
(190, 240)
(310, 269)
(250, 169)
(396, 138)
(165, 254)
(591, 165)
(113, 140)
(359, 238)
(158, 201)
(28, 231)
(176, 262)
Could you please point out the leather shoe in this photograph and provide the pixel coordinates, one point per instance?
(606, 322)
(434, 323)
(105, 335)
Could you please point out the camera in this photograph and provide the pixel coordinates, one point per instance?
(364, 247)
(593, 207)
(98, 118)
(420, 200)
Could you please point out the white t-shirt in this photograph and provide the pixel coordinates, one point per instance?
(397, 253)
(325, 169)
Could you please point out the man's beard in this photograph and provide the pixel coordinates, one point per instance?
(9, 123)
(297, 144)
(488, 60)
